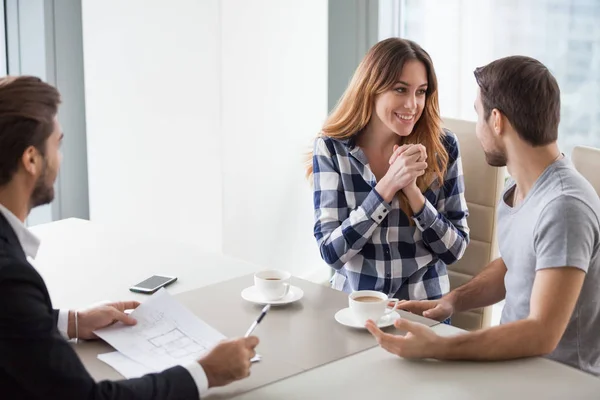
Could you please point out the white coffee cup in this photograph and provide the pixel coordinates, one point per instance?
(272, 284)
(370, 305)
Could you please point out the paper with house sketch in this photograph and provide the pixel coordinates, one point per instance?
(166, 334)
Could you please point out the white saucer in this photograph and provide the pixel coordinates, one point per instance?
(252, 295)
(345, 317)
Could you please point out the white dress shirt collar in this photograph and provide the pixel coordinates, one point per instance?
(29, 242)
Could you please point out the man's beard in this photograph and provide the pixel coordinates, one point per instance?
(496, 158)
(43, 192)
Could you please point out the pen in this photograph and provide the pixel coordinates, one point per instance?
(260, 317)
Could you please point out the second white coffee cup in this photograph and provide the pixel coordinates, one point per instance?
(273, 284)
(369, 305)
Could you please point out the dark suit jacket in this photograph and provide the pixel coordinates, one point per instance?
(37, 363)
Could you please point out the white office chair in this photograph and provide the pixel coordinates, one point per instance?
(483, 188)
(587, 162)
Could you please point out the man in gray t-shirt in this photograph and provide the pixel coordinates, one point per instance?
(555, 226)
(548, 233)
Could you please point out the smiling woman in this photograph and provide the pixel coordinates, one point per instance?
(390, 213)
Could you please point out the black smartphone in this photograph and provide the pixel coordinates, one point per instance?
(152, 284)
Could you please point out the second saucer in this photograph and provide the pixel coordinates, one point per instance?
(252, 295)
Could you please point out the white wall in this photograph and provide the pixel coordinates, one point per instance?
(274, 103)
(152, 73)
(199, 113)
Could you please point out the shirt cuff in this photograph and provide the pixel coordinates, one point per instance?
(199, 377)
(63, 323)
(426, 217)
(375, 207)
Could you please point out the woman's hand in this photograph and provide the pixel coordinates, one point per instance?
(406, 165)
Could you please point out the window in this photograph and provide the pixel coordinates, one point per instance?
(461, 35)
(43, 38)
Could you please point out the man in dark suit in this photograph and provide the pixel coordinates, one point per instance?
(36, 362)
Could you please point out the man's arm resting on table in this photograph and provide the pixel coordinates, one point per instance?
(66, 326)
(485, 289)
(28, 335)
(553, 298)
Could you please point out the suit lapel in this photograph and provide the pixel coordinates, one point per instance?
(8, 235)
(9, 242)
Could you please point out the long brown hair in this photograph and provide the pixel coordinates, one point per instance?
(377, 73)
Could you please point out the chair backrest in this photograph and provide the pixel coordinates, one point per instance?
(483, 188)
(587, 162)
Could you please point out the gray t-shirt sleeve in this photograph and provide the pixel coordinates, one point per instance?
(565, 234)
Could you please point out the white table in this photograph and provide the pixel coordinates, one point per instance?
(83, 263)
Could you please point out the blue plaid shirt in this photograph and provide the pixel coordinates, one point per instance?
(369, 242)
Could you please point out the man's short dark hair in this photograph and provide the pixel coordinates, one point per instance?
(524, 90)
(27, 110)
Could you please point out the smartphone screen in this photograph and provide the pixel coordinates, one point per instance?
(152, 284)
